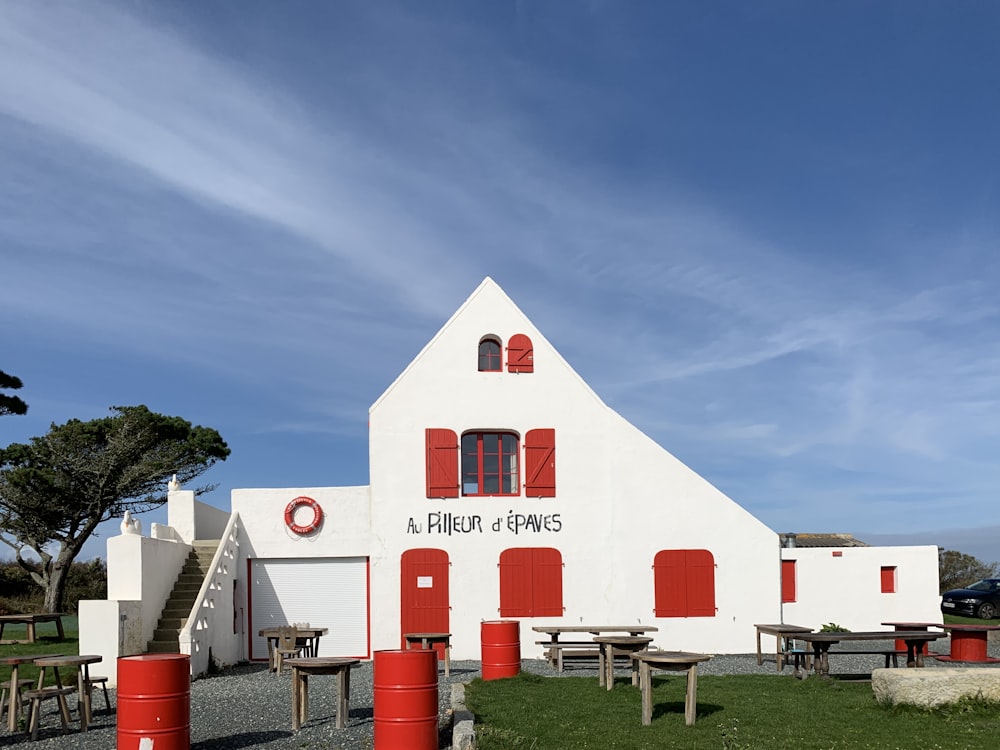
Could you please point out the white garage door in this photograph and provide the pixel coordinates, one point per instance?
(328, 593)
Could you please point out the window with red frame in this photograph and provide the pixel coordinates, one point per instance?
(490, 359)
(490, 463)
(531, 582)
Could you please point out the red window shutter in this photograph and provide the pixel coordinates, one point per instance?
(520, 354)
(540, 463)
(701, 583)
(670, 583)
(515, 582)
(547, 582)
(788, 580)
(888, 579)
(684, 583)
(442, 462)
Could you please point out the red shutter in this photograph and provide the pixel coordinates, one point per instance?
(515, 582)
(442, 463)
(684, 583)
(520, 354)
(888, 579)
(701, 583)
(540, 463)
(788, 580)
(670, 583)
(547, 583)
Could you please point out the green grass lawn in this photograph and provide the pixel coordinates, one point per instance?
(737, 712)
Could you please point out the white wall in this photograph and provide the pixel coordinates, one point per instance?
(620, 498)
(111, 629)
(846, 589)
(144, 570)
(192, 519)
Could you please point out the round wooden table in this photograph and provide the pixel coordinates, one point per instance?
(608, 644)
(678, 661)
(302, 668)
(81, 662)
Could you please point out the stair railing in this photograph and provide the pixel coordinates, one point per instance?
(208, 630)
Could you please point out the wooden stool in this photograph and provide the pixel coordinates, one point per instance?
(37, 696)
(103, 683)
(16, 701)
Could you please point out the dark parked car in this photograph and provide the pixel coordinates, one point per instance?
(980, 599)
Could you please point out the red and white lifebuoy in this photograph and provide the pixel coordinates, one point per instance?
(297, 503)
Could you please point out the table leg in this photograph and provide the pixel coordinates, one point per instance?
(635, 671)
(760, 659)
(447, 660)
(691, 696)
(31, 631)
(314, 651)
(59, 629)
(646, 691)
(296, 700)
(13, 702)
(305, 697)
(343, 695)
(61, 699)
(602, 670)
(83, 697)
(609, 663)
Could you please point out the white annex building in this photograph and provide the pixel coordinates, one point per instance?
(501, 487)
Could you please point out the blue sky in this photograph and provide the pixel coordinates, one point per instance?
(765, 233)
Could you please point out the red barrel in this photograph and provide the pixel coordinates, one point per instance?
(406, 700)
(501, 643)
(154, 702)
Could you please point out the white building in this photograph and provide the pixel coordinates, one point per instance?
(501, 487)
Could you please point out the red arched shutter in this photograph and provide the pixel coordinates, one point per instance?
(442, 462)
(520, 354)
(540, 463)
(684, 583)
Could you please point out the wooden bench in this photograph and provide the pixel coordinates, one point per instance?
(557, 653)
(35, 698)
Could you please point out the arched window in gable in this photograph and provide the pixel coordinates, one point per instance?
(490, 359)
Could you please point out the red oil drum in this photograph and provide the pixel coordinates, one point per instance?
(406, 700)
(154, 702)
(501, 646)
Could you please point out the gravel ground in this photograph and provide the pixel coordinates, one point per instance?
(247, 707)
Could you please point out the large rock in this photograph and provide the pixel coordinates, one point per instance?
(935, 686)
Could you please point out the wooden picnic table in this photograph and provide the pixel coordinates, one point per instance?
(554, 648)
(821, 643)
(678, 661)
(783, 633)
(33, 619)
(302, 668)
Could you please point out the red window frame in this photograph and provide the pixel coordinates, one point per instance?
(787, 581)
(531, 582)
(684, 583)
(490, 351)
(491, 464)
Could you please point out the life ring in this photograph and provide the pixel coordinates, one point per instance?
(294, 506)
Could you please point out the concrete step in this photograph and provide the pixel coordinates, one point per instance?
(162, 647)
(166, 634)
(173, 622)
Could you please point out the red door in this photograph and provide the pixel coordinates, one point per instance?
(423, 588)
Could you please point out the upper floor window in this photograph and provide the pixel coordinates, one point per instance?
(489, 355)
(490, 463)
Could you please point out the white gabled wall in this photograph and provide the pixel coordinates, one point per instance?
(846, 588)
(620, 497)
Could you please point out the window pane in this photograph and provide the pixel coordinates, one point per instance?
(470, 464)
(489, 356)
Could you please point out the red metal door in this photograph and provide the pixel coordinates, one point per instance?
(424, 602)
